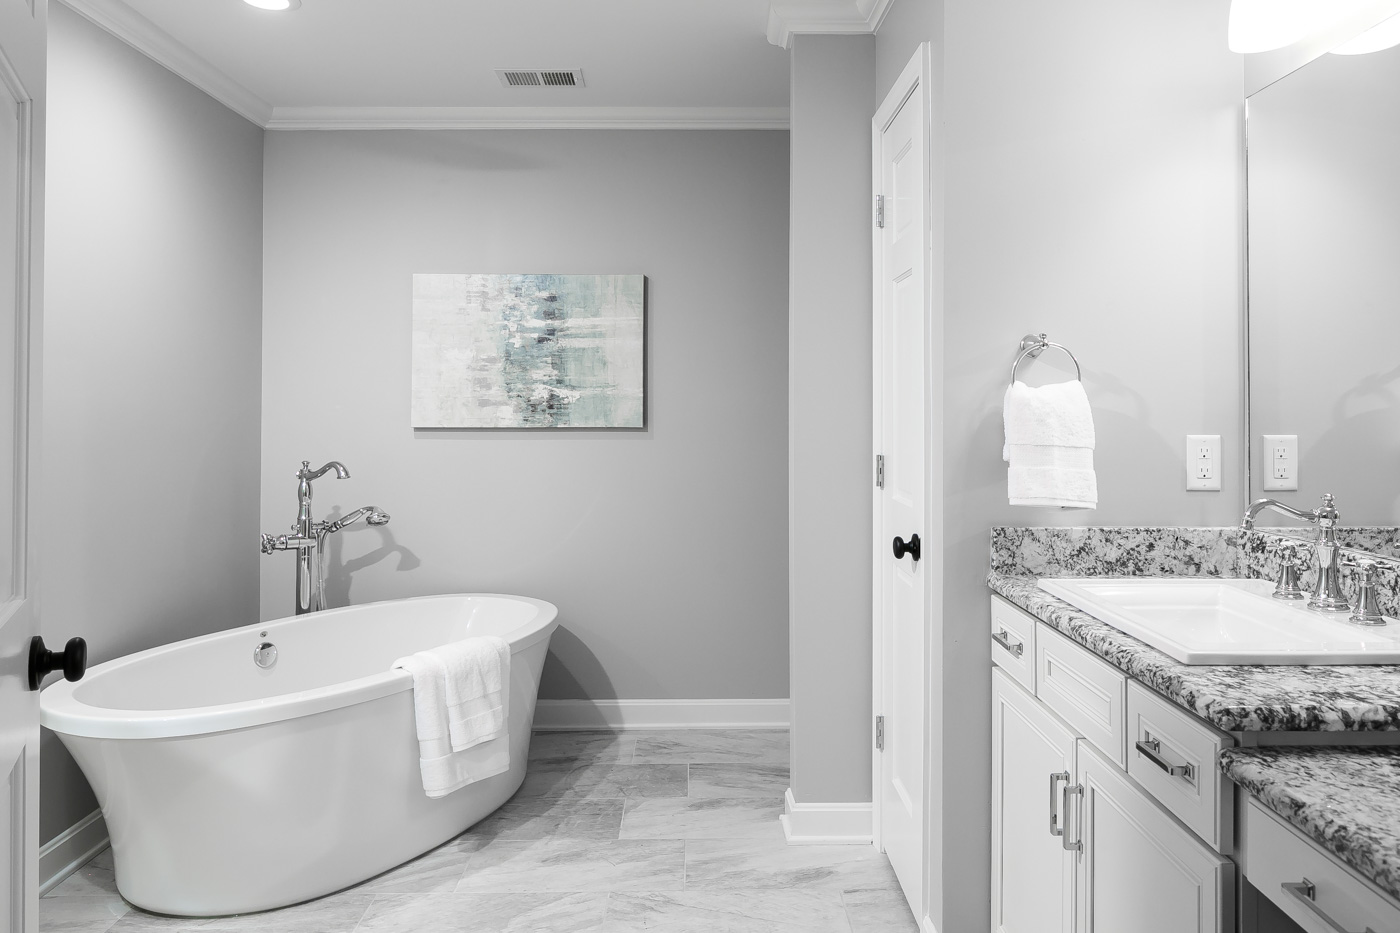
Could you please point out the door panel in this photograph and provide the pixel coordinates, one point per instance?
(1141, 871)
(1032, 871)
(22, 58)
(900, 332)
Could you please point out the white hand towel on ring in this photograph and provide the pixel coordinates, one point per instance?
(1050, 446)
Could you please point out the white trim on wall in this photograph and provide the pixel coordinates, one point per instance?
(661, 714)
(811, 824)
(164, 49)
(506, 118)
(70, 850)
(787, 18)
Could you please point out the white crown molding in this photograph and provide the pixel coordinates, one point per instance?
(513, 118)
(787, 18)
(164, 49)
(623, 715)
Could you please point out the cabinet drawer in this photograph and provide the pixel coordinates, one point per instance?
(1087, 692)
(1013, 642)
(1276, 854)
(1174, 756)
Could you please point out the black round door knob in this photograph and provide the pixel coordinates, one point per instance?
(72, 660)
(912, 548)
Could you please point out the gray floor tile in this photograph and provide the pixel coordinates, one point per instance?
(730, 863)
(552, 818)
(610, 746)
(575, 778)
(738, 780)
(437, 872)
(93, 879)
(80, 914)
(703, 818)
(485, 913)
(616, 865)
(881, 910)
(696, 912)
(705, 747)
(337, 913)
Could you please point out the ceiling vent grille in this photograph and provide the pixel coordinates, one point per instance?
(512, 77)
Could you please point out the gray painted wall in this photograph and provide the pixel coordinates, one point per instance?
(829, 428)
(663, 548)
(151, 361)
(1094, 179)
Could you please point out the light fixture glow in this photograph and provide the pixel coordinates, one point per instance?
(1383, 36)
(274, 4)
(1263, 25)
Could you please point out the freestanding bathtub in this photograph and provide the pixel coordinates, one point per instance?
(229, 788)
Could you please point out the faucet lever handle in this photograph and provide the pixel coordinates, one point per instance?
(1292, 556)
(1365, 606)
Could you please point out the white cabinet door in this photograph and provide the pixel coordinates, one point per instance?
(1032, 871)
(1139, 871)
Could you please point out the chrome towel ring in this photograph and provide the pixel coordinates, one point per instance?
(1032, 345)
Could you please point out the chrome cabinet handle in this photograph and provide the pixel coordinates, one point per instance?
(1076, 845)
(1305, 893)
(1016, 648)
(1151, 749)
(1055, 779)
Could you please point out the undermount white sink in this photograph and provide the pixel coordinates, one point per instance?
(1215, 621)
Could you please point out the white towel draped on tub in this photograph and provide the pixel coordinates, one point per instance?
(460, 704)
(1050, 446)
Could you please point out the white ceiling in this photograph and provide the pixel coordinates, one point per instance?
(442, 53)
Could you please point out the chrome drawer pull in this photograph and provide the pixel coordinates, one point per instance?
(1305, 893)
(1055, 779)
(1151, 749)
(1076, 845)
(1016, 648)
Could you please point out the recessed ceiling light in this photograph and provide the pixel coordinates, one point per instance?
(274, 4)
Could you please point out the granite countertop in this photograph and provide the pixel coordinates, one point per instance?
(1352, 698)
(1347, 799)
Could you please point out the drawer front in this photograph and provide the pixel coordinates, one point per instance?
(1086, 691)
(1013, 642)
(1278, 857)
(1174, 757)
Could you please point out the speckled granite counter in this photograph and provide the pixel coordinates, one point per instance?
(1233, 699)
(1347, 799)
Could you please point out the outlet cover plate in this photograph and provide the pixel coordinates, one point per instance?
(1280, 462)
(1202, 462)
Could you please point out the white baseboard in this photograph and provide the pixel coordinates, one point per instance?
(826, 823)
(622, 715)
(70, 850)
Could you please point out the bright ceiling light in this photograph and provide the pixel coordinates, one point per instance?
(274, 4)
(1384, 36)
(1262, 25)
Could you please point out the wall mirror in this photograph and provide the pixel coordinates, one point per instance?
(1324, 290)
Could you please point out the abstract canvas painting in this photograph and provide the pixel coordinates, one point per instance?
(528, 351)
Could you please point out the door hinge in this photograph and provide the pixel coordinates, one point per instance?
(879, 733)
(879, 210)
(879, 471)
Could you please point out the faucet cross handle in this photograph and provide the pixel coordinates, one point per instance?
(1292, 557)
(1365, 606)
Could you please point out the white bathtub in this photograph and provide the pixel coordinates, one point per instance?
(227, 788)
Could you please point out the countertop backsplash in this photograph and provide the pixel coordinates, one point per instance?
(1176, 551)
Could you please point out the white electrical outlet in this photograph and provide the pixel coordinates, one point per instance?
(1202, 461)
(1280, 461)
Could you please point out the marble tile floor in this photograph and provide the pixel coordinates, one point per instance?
(665, 832)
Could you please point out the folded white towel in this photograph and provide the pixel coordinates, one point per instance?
(477, 670)
(1050, 446)
(444, 770)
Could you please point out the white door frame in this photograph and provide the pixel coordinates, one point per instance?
(917, 73)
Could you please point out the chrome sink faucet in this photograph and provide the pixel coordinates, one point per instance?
(308, 537)
(1327, 595)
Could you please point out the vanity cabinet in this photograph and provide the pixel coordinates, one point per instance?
(1078, 844)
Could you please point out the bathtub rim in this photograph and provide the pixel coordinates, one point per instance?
(63, 713)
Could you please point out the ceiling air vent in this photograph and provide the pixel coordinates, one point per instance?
(530, 78)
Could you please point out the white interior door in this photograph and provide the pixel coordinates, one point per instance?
(902, 428)
(22, 56)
